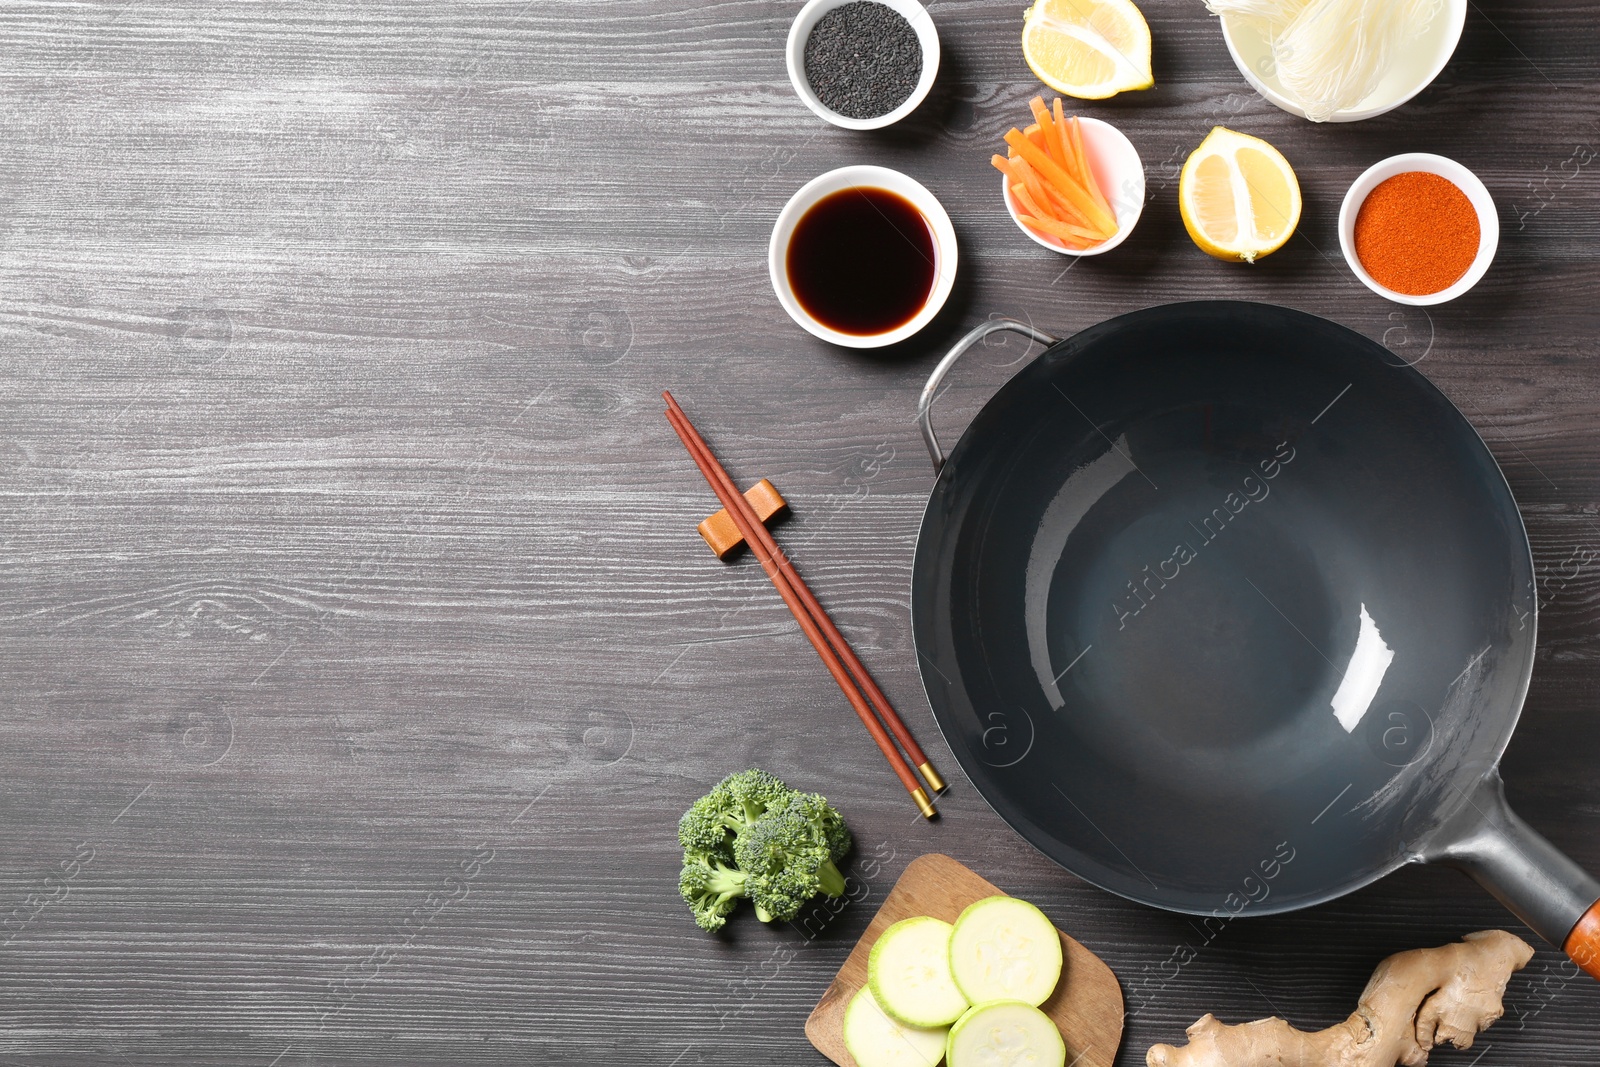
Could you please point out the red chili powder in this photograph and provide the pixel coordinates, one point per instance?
(1416, 233)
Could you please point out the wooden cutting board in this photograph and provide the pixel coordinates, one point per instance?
(1086, 1006)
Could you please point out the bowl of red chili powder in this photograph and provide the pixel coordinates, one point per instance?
(1418, 228)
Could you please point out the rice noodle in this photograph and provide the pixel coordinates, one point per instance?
(1331, 54)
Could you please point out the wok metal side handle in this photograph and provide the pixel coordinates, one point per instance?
(925, 404)
(1525, 872)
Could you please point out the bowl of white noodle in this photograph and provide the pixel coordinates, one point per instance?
(1340, 60)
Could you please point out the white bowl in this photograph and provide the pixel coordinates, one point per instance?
(1120, 172)
(944, 249)
(1414, 68)
(1464, 179)
(800, 30)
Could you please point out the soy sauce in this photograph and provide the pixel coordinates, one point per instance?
(862, 261)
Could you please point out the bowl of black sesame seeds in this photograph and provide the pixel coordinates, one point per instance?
(863, 64)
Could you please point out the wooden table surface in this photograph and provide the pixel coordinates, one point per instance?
(357, 650)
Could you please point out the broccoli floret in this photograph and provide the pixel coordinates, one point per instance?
(733, 804)
(752, 836)
(702, 828)
(827, 823)
(788, 855)
(751, 793)
(711, 888)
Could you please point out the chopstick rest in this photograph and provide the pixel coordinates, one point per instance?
(722, 533)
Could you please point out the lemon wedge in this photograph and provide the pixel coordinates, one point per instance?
(1238, 196)
(1090, 49)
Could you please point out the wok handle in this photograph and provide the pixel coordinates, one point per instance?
(1583, 944)
(925, 404)
(1558, 899)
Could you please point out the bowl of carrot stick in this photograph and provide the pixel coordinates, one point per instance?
(1075, 185)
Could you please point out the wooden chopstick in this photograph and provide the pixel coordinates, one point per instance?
(864, 678)
(708, 466)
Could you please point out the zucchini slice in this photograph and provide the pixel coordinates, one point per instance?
(876, 1040)
(909, 973)
(1003, 948)
(1005, 1032)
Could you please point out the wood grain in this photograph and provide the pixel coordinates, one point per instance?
(338, 522)
(1086, 1005)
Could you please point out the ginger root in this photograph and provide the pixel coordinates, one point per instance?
(1414, 1001)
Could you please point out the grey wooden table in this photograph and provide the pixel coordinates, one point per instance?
(357, 650)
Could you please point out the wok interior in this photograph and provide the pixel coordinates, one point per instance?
(1219, 602)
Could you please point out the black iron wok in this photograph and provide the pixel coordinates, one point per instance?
(1219, 605)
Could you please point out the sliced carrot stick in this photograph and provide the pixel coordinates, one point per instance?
(1052, 204)
(1061, 232)
(1026, 201)
(1081, 233)
(1074, 132)
(1049, 136)
(1050, 173)
(1089, 180)
(1070, 162)
(1078, 230)
(1041, 114)
(1046, 196)
(1054, 229)
(1037, 197)
(1101, 219)
(1063, 212)
(1071, 202)
(1053, 208)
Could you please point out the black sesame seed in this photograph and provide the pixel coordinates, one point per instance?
(863, 59)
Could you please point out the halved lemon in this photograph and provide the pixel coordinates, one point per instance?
(1238, 196)
(1090, 49)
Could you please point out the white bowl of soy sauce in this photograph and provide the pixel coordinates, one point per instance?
(861, 60)
(862, 256)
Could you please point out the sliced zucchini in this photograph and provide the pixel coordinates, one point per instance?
(1005, 1032)
(1003, 948)
(876, 1040)
(909, 973)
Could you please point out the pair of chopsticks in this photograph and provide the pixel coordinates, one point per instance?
(862, 692)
